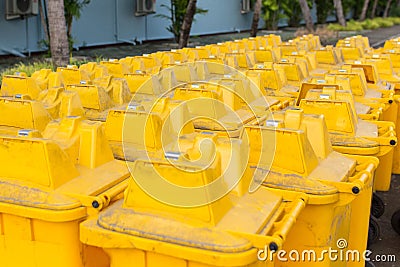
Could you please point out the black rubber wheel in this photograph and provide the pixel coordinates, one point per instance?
(396, 221)
(377, 206)
(369, 264)
(374, 230)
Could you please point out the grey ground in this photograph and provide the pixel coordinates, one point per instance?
(389, 242)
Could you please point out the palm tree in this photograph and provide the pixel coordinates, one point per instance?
(256, 18)
(364, 10)
(386, 13)
(374, 9)
(339, 12)
(187, 23)
(307, 15)
(58, 32)
(72, 9)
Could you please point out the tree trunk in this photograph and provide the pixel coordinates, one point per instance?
(256, 18)
(364, 10)
(307, 15)
(58, 33)
(68, 20)
(187, 23)
(43, 21)
(387, 8)
(339, 12)
(374, 9)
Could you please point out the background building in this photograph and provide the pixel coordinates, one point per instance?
(113, 21)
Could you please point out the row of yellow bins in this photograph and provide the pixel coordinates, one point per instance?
(253, 152)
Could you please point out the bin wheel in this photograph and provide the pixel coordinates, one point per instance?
(374, 230)
(377, 206)
(396, 221)
(369, 264)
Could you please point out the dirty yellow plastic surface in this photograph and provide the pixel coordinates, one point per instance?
(13, 85)
(366, 111)
(368, 88)
(31, 115)
(73, 176)
(327, 57)
(72, 75)
(338, 187)
(352, 136)
(96, 100)
(46, 79)
(116, 68)
(214, 234)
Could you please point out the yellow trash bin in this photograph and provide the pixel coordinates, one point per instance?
(272, 80)
(357, 137)
(293, 72)
(72, 75)
(328, 58)
(36, 115)
(13, 84)
(41, 205)
(269, 40)
(232, 105)
(338, 187)
(116, 68)
(368, 88)
(142, 231)
(365, 111)
(135, 132)
(95, 100)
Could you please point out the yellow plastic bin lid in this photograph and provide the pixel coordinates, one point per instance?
(318, 85)
(72, 75)
(157, 129)
(27, 186)
(354, 145)
(95, 100)
(25, 200)
(149, 226)
(358, 84)
(14, 84)
(221, 116)
(18, 113)
(299, 164)
(73, 159)
(304, 164)
(116, 68)
(366, 110)
(343, 125)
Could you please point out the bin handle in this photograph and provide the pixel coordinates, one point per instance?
(107, 196)
(275, 241)
(364, 178)
(290, 219)
(102, 200)
(358, 184)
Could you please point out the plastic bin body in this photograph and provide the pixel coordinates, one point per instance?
(50, 185)
(350, 136)
(215, 234)
(341, 198)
